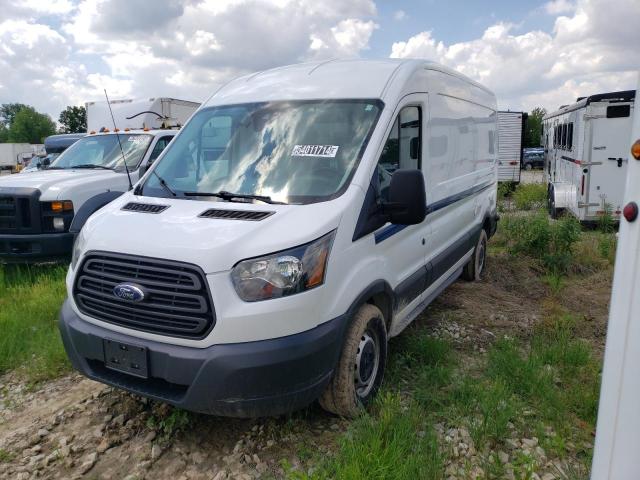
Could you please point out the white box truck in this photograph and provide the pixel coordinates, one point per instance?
(301, 218)
(511, 127)
(587, 155)
(42, 210)
(149, 113)
(11, 154)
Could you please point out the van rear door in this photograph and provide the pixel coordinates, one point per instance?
(609, 159)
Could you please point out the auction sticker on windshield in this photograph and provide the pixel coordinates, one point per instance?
(328, 151)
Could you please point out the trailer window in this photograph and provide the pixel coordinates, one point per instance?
(618, 111)
(563, 141)
(570, 136)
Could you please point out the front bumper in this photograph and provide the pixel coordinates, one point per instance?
(35, 247)
(252, 379)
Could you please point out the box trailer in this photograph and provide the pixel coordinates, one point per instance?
(510, 139)
(11, 154)
(149, 113)
(586, 155)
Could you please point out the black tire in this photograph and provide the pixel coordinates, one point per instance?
(551, 204)
(361, 366)
(474, 269)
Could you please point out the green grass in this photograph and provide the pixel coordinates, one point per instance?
(530, 196)
(30, 299)
(550, 379)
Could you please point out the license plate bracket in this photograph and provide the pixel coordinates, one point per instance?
(126, 358)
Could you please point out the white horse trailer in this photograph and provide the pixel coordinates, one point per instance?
(586, 155)
(510, 139)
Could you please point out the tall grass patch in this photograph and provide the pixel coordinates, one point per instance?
(530, 196)
(30, 299)
(393, 442)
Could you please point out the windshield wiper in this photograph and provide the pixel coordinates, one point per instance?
(91, 165)
(164, 184)
(229, 196)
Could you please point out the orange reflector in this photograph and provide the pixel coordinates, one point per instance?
(513, 163)
(635, 150)
(127, 129)
(146, 129)
(92, 132)
(61, 206)
(105, 130)
(116, 129)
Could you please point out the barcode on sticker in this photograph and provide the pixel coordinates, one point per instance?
(314, 151)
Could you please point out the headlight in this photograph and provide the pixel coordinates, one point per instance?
(284, 273)
(78, 247)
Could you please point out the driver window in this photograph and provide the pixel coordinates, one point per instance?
(402, 148)
(215, 141)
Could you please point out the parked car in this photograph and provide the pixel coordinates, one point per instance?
(532, 159)
(302, 217)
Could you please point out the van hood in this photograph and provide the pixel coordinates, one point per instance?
(53, 184)
(215, 245)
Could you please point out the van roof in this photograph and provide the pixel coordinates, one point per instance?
(614, 97)
(154, 132)
(332, 79)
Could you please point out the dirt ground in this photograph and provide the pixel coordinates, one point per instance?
(75, 428)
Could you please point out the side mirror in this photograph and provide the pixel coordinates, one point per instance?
(407, 198)
(414, 148)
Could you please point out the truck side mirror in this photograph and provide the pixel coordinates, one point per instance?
(407, 198)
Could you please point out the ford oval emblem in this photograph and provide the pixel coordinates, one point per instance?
(129, 292)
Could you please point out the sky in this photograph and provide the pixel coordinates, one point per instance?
(55, 53)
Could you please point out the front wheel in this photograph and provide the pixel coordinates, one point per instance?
(361, 366)
(475, 268)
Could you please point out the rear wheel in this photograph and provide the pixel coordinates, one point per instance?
(475, 268)
(361, 366)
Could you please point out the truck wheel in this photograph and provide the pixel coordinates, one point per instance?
(475, 268)
(361, 366)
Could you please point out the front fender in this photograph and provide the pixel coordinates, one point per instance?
(90, 207)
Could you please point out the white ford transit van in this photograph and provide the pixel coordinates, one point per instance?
(302, 217)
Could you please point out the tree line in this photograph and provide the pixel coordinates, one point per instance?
(20, 123)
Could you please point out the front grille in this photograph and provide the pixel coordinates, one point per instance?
(8, 220)
(144, 207)
(235, 214)
(177, 301)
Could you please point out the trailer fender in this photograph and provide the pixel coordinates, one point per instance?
(564, 194)
(90, 207)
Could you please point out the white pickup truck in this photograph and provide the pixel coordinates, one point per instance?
(41, 211)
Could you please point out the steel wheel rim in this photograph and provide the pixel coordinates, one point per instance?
(367, 363)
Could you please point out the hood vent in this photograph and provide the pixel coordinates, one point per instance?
(236, 214)
(144, 207)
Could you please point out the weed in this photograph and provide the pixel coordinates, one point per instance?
(530, 196)
(169, 425)
(6, 456)
(607, 247)
(537, 237)
(606, 222)
(555, 282)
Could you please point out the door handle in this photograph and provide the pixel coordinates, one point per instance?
(619, 160)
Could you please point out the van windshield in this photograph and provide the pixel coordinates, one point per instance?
(292, 152)
(103, 151)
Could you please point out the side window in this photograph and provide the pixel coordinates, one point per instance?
(402, 148)
(160, 145)
(563, 141)
(570, 136)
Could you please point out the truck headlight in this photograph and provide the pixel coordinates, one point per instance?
(78, 247)
(283, 273)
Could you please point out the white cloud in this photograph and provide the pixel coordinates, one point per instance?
(583, 55)
(399, 15)
(556, 7)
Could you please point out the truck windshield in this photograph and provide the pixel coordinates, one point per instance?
(103, 151)
(292, 152)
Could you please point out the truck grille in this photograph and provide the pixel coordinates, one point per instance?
(177, 301)
(7, 214)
